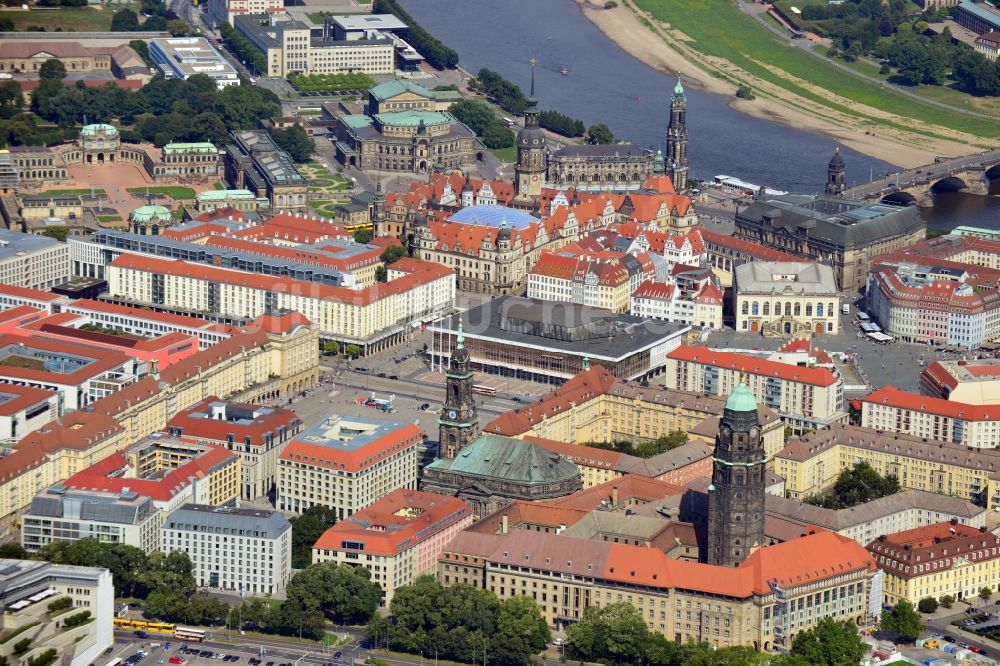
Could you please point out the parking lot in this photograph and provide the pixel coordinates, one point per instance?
(225, 649)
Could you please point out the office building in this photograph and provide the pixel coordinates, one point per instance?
(248, 551)
(27, 587)
(24, 409)
(35, 262)
(892, 410)
(62, 514)
(397, 538)
(346, 464)
(258, 434)
(183, 57)
(972, 381)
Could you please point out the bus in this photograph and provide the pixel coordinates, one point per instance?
(189, 634)
(143, 625)
(113, 662)
(482, 389)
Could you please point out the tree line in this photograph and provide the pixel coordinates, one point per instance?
(162, 111)
(507, 95)
(243, 48)
(646, 449)
(434, 50)
(480, 117)
(561, 124)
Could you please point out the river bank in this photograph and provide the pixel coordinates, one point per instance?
(664, 49)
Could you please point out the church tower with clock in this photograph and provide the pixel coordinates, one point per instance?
(529, 172)
(736, 495)
(459, 422)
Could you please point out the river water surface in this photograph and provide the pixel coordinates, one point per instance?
(606, 84)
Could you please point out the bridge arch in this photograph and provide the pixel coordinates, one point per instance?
(993, 172)
(900, 199)
(949, 184)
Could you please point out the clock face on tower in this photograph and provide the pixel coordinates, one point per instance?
(452, 414)
(472, 412)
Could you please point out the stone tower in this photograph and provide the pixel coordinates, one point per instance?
(677, 139)
(529, 172)
(459, 421)
(736, 496)
(836, 175)
(378, 209)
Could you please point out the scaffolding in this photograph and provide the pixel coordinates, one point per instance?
(779, 616)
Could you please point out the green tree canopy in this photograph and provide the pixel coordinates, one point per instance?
(295, 141)
(903, 620)
(475, 114)
(859, 484)
(306, 529)
(927, 605)
(830, 643)
(616, 633)
(600, 133)
(124, 20)
(392, 254)
(53, 68)
(178, 28)
(343, 593)
(363, 236)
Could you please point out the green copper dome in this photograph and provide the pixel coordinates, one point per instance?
(741, 399)
(679, 88)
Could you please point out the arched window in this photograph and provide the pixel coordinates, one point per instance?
(819, 309)
(755, 309)
(777, 309)
(746, 308)
(798, 309)
(788, 309)
(809, 309)
(767, 309)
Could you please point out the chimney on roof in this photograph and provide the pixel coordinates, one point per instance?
(614, 495)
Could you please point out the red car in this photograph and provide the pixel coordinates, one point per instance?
(176, 660)
(974, 648)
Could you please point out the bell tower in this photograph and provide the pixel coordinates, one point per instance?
(736, 496)
(529, 172)
(459, 422)
(677, 139)
(836, 175)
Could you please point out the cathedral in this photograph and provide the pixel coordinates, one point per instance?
(488, 471)
(736, 495)
(529, 172)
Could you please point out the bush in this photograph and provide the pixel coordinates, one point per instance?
(744, 92)
(22, 646)
(927, 605)
(60, 603)
(77, 619)
(325, 83)
(610, 4)
(947, 600)
(44, 659)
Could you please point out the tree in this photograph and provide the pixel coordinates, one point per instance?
(600, 133)
(859, 484)
(830, 642)
(616, 633)
(497, 136)
(330, 347)
(985, 593)
(13, 550)
(124, 20)
(363, 236)
(903, 620)
(53, 68)
(142, 49)
(244, 106)
(521, 631)
(295, 141)
(947, 601)
(560, 123)
(11, 99)
(343, 593)
(307, 528)
(57, 232)
(475, 114)
(927, 605)
(178, 28)
(352, 350)
(392, 254)
(381, 273)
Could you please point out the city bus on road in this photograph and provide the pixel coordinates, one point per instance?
(482, 389)
(189, 634)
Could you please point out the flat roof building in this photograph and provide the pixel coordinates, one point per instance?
(973, 381)
(62, 514)
(346, 464)
(551, 341)
(24, 409)
(398, 538)
(239, 550)
(183, 57)
(26, 589)
(35, 262)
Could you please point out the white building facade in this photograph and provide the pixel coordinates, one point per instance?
(35, 262)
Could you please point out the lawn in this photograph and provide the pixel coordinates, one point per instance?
(70, 193)
(506, 154)
(325, 83)
(324, 207)
(174, 192)
(109, 218)
(718, 28)
(70, 19)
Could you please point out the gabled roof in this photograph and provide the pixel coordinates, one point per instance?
(753, 365)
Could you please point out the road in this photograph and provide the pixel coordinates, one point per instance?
(924, 175)
(942, 625)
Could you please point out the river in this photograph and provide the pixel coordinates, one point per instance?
(606, 84)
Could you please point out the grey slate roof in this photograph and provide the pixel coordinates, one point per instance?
(600, 150)
(498, 457)
(841, 222)
(224, 520)
(810, 277)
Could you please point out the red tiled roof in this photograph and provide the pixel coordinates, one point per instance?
(386, 528)
(77, 430)
(24, 292)
(925, 550)
(215, 430)
(937, 373)
(584, 456)
(753, 365)
(26, 396)
(631, 487)
(140, 313)
(655, 290)
(893, 397)
(746, 248)
(659, 183)
(282, 324)
(709, 294)
(101, 360)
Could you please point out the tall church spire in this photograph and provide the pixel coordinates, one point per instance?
(529, 172)
(459, 423)
(677, 139)
(736, 496)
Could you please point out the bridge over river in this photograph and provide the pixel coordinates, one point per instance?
(969, 173)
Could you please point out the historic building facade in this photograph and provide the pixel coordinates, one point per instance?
(677, 139)
(736, 496)
(836, 176)
(599, 168)
(459, 422)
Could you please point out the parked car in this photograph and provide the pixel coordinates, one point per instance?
(176, 660)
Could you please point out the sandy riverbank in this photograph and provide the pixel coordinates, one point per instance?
(898, 147)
